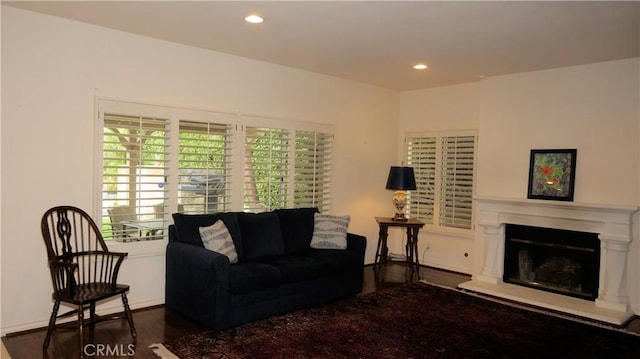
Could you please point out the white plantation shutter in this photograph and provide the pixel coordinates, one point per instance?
(456, 189)
(421, 155)
(444, 168)
(155, 160)
(134, 175)
(266, 168)
(205, 164)
(312, 176)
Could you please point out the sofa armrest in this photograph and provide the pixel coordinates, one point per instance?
(357, 243)
(197, 283)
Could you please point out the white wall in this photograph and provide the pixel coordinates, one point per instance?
(593, 108)
(52, 70)
(2, 348)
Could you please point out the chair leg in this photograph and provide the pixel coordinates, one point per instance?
(52, 324)
(127, 311)
(92, 316)
(92, 321)
(81, 328)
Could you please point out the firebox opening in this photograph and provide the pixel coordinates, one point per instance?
(554, 260)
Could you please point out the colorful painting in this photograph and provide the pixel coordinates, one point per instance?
(552, 174)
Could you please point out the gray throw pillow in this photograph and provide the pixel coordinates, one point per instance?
(217, 238)
(330, 232)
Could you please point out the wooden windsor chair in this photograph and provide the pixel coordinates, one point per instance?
(83, 271)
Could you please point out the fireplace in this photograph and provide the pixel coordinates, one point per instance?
(604, 297)
(554, 260)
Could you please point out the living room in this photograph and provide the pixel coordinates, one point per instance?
(53, 69)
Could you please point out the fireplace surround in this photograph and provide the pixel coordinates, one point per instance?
(611, 224)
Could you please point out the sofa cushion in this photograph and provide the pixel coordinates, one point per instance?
(335, 260)
(297, 227)
(217, 238)
(188, 227)
(261, 235)
(330, 232)
(251, 276)
(296, 268)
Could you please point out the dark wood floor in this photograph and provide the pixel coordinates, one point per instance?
(158, 324)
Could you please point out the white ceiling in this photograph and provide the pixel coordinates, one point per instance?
(378, 42)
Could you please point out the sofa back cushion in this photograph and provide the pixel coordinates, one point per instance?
(188, 227)
(261, 235)
(297, 227)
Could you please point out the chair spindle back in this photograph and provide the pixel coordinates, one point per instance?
(76, 250)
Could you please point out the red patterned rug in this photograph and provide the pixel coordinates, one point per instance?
(412, 321)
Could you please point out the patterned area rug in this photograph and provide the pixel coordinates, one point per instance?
(412, 321)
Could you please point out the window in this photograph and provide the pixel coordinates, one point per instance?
(266, 168)
(134, 172)
(422, 157)
(444, 168)
(205, 167)
(313, 169)
(159, 160)
(286, 164)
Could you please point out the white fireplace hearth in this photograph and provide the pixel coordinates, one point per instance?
(613, 224)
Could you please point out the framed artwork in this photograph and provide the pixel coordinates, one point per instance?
(552, 174)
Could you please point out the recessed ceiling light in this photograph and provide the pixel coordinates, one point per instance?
(420, 66)
(254, 19)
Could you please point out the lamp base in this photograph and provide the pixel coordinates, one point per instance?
(399, 201)
(400, 217)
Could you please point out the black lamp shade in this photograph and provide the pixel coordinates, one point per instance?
(401, 178)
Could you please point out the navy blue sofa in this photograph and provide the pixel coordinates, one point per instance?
(277, 271)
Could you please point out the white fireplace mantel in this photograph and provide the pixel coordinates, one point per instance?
(613, 224)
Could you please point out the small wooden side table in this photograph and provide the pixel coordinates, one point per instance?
(413, 227)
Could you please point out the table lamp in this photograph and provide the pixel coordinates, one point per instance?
(401, 179)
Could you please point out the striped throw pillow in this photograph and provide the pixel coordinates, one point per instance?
(217, 238)
(330, 232)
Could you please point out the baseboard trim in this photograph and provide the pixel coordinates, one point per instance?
(102, 310)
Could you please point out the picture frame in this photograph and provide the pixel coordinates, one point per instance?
(552, 174)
